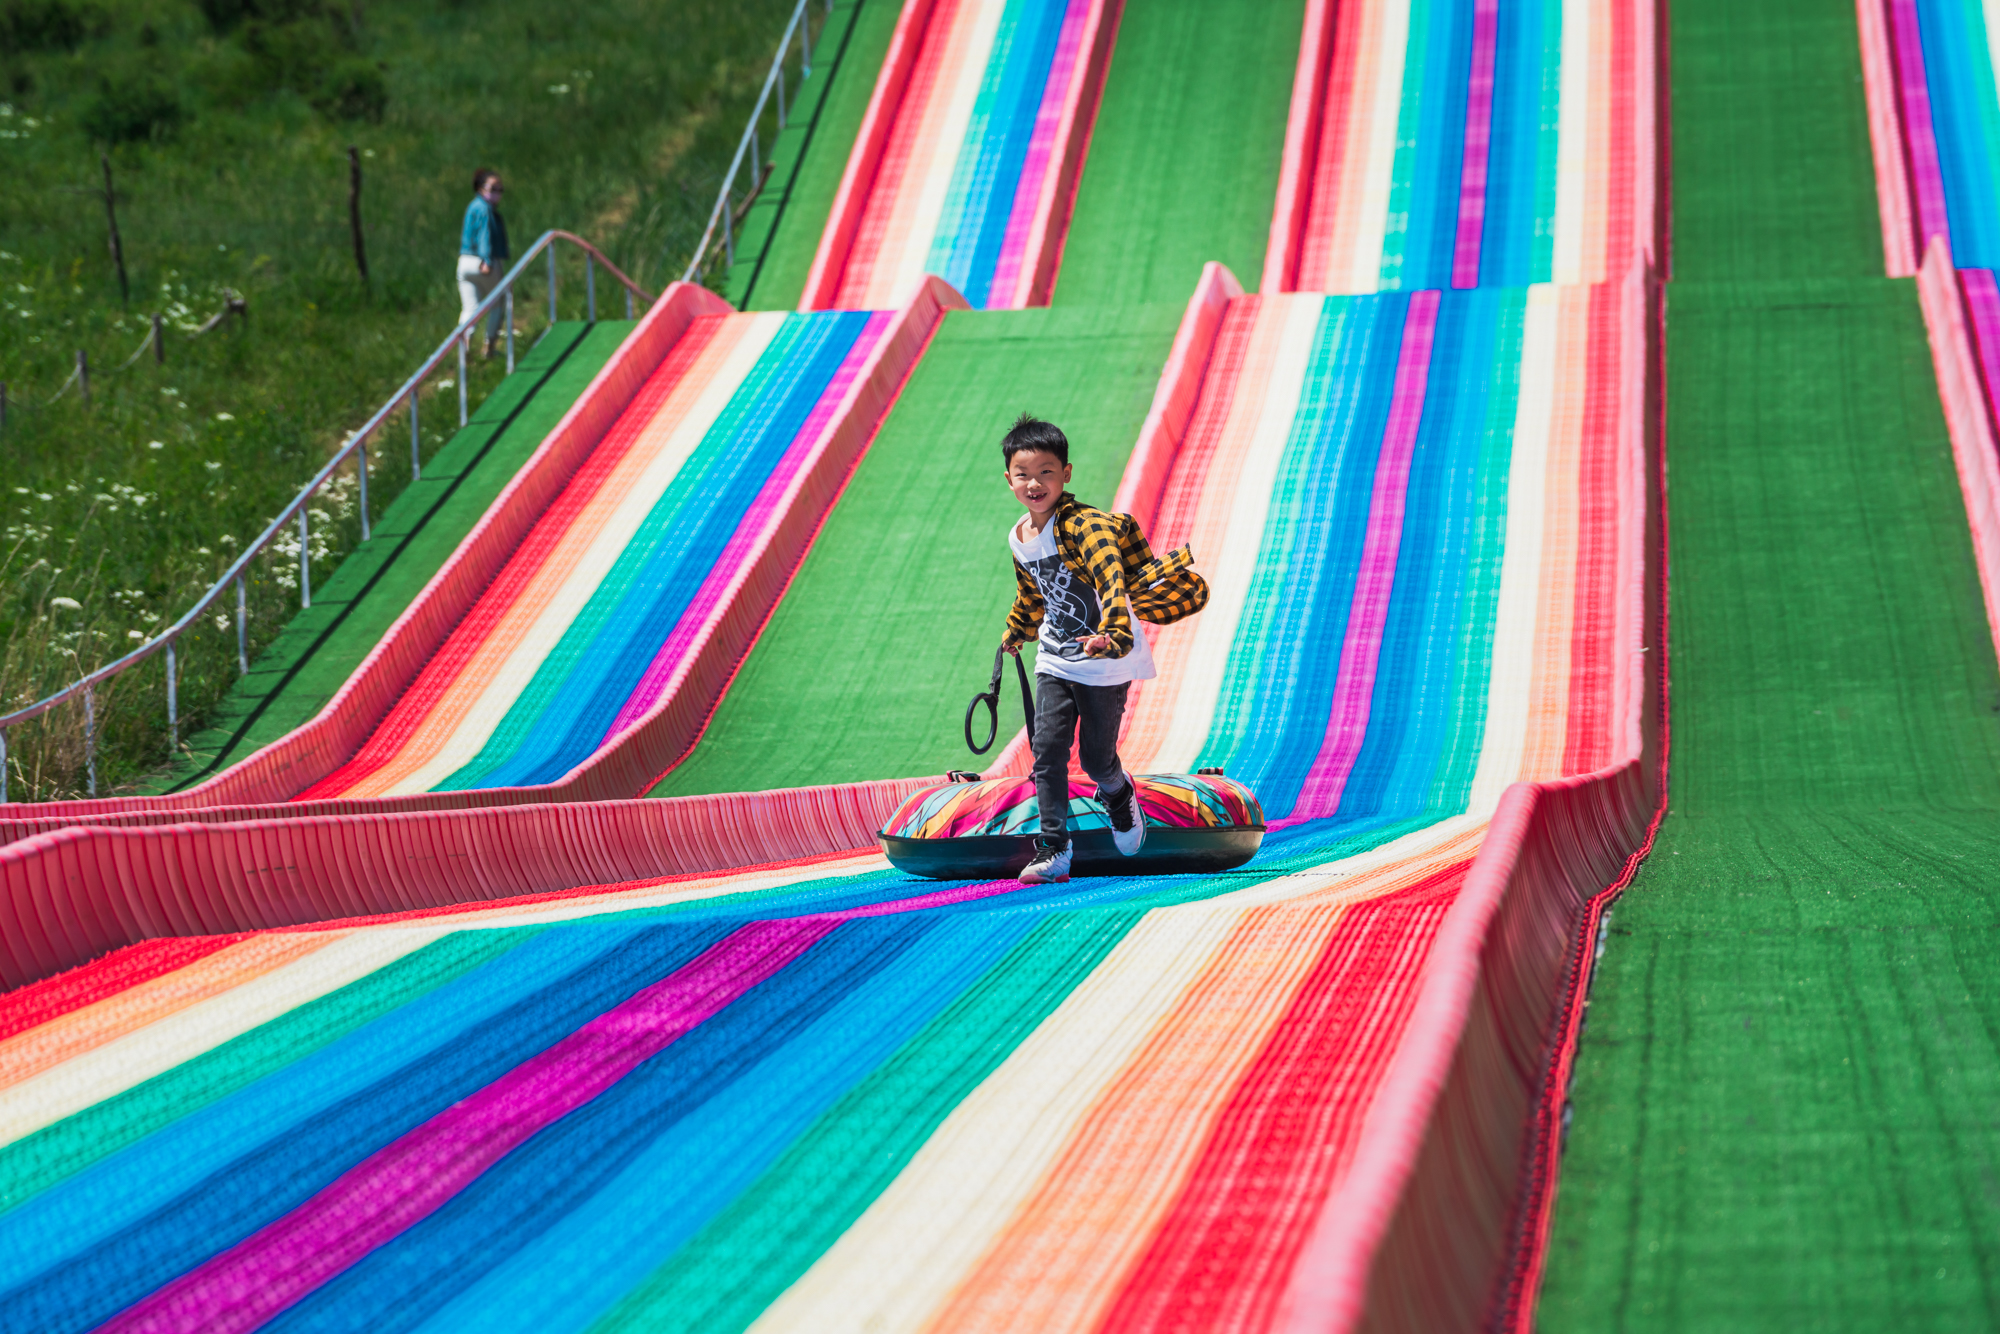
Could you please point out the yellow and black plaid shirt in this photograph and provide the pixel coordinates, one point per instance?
(1111, 552)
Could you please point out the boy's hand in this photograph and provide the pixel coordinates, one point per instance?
(1013, 650)
(1096, 646)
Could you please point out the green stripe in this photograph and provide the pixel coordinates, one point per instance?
(32, 1165)
(736, 1266)
(1409, 126)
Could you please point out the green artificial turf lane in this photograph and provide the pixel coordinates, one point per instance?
(781, 230)
(1184, 159)
(1784, 1105)
(865, 669)
(320, 647)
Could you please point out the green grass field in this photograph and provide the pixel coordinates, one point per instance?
(228, 140)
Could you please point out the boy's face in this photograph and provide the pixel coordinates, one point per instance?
(1037, 479)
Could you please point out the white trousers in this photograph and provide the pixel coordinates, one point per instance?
(473, 287)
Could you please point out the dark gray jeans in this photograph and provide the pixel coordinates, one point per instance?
(1059, 707)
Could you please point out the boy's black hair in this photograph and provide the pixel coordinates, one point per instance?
(1031, 432)
(480, 177)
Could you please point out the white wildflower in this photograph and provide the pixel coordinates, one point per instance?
(135, 634)
(67, 604)
(156, 444)
(225, 416)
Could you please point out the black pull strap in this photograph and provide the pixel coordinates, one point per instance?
(990, 697)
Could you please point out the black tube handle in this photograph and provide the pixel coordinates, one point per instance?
(990, 697)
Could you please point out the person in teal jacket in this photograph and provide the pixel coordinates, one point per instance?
(482, 253)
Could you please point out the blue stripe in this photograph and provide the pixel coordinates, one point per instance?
(608, 1243)
(512, 1205)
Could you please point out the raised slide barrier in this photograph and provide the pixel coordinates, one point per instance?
(814, 1118)
(967, 161)
(1934, 128)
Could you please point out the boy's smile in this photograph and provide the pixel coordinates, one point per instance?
(1037, 479)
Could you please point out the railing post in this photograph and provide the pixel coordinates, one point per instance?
(781, 92)
(305, 565)
(590, 287)
(173, 701)
(728, 240)
(416, 440)
(3, 766)
(90, 739)
(552, 290)
(756, 165)
(361, 465)
(461, 379)
(510, 329)
(242, 627)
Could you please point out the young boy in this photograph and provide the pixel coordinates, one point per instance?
(1081, 576)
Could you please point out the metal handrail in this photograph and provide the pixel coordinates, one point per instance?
(749, 143)
(356, 448)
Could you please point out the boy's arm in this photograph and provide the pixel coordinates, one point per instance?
(1024, 618)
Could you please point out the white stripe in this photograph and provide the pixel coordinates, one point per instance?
(900, 1261)
(1232, 565)
(1360, 270)
(669, 451)
(106, 1071)
(896, 278)
(1511, 679)
(1573, 143)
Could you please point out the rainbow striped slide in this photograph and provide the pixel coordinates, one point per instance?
(1466, 143)
(600, 608)
(969, 155)
(822, 1096)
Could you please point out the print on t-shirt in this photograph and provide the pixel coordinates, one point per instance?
(1069, 607)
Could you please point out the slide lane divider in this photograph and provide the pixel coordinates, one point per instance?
(1967, 410)
(668, 728)
(73, 894)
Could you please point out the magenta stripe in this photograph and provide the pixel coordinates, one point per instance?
(1354, 687)
(404, 1183)
(1478, 139)
(1919, 136)
(697, 622)
(1034, 171)
(1982, 300)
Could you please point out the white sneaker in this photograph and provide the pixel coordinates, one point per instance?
(1128, 822)
(1050, 866)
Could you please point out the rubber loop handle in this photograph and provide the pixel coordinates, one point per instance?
(990, 697)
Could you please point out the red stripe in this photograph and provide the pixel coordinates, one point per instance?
(1593, 625)
(39, 1002)
(904, 136)
(1225, 1249)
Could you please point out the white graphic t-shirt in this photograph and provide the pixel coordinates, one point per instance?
(1070, 614)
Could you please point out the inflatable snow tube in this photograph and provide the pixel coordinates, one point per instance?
(976, 829)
